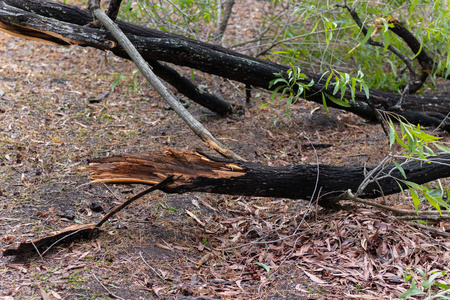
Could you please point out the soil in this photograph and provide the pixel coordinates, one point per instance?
(234, 247)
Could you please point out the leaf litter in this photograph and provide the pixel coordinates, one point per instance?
(225, 247)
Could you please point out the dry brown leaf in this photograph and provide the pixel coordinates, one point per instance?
(195, 218)
(229, 293)
(56, 295)
(314, 278)
(163, 246)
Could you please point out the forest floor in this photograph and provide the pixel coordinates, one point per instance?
(249, 248)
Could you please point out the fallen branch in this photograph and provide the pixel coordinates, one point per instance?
(405, 214)
(76, 232)
(431, 229)
(195, 125)
(42, 245)
(198, 172)
(117, 209)
(44, 20)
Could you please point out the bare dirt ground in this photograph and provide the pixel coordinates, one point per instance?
(49, 128)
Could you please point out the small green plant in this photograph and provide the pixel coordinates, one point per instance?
(429, 286)
(413, 139)
(120, 78)
(342, 83)
(291, 85)
(418, 145)
(117, 80)
(75, 279)
(166, 207)
(294, 84)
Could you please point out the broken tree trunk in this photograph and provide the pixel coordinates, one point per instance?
(180, 172)
(196, 172)
(65, 24)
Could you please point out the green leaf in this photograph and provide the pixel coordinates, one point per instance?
(424, 136)
(426, 284)
(443, 286)
(266, 267)
(280, 52)
(412, 291)
(400, 142)
(416, 200)
(264, 105)
(288, 105)
(338, 101)
(353, 88)
(118, 79)
(385, 24)
(434, 276)
(369, 33)
(433, 202)
(275, 81)
(328, 80)
(392, 134)
(400, 168)
(436, 195)
(275, 92)
(336, 87)
(324, 102)
(386, 38)
(442, 148)
(414, 185)
(418, 52)
(366, 89)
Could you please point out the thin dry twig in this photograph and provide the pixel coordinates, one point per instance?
(145, 262)
(106, 289)
(118, 208)
(426, 215)
(39, 252)
(433, 230)
(61, 239)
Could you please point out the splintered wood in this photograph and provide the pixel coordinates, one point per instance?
(150, 169)
(42, 245)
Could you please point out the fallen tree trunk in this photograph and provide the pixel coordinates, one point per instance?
(65, 24)
(196, 172)
(180, 172)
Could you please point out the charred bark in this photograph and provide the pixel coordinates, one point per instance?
(35, 21)
(196, 172)
(65, 24)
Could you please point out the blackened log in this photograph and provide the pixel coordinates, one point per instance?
(15, 20)
(190, 90)
(213, 59)
(196, 172)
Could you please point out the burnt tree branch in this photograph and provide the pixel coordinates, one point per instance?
(113, 9)
(44, 20)
(196, 172)
(15, 19)
(415, 84)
